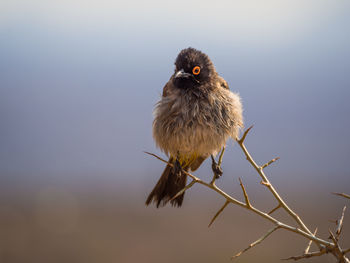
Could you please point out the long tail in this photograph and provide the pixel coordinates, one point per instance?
(169, 184)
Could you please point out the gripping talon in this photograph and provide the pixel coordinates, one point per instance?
(177, 169)
(216, 168)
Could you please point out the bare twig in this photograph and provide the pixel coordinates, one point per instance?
(184, 189)
(337, 251)
(245, 194)
(254, 210)
(340, 224)
(270, 162)
(307, 255)
(159, 158)
(342, 195)
(172, 165)
(275, 209)
(218, 213)
(334, 239)
(323, 245)
(266, 182)
(306, 251)
(256, 242)
(241, 141)
(221, 156)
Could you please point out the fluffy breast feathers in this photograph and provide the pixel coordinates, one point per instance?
(194, 123)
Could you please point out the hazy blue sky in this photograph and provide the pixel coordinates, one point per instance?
(79, 79)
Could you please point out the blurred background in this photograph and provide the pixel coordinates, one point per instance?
(78, 83)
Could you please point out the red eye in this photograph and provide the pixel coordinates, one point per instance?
(196, 70)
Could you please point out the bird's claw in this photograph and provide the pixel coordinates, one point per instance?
(217, 171)
(216, 168)
(177, 169)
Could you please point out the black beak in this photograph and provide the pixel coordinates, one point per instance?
(182, 74)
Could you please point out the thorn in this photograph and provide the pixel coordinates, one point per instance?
(159, 158)
(256, 242)
(247, 202)
(183, 190)
(221, 156)
(342, 195)
(240, 141)
(269, 162)
(218, 213)
(309, 244)
(265, 183)
(275, 209)
(340, 223)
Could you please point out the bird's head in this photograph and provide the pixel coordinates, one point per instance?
(192, 69)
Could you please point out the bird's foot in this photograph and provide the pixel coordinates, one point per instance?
(216, 168)
(177, 169)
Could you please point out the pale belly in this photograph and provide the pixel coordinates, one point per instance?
(192, 129)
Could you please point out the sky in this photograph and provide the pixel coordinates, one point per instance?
(79, 81)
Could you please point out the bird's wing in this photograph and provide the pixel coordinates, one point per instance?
(197, 162)
(167, 87)
(223, 83)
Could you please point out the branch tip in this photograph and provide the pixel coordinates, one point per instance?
(307, 255)
(159, 158)
(247, 202)
(267, 184)
(342, 195)
(269, 162)
(275, 209)
(218, 213)
(172, 165)
(306, 251)
(221, 156)
(340, 223)
(256, 242)
(183, 190)
(240, 141)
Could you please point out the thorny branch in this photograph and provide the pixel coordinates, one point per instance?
(275, 209)
(301, 229)
(247, 202)
(342, 195)
(308, 255)
(256, 242)
(306, 251)
(340, 224)
(218, 213)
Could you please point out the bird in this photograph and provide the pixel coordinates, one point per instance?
(195, 116)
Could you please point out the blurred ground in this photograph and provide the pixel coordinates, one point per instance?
(61, 223)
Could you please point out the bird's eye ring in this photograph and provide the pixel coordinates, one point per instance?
(196, 70)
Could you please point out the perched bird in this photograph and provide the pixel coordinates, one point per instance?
(194, 118)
